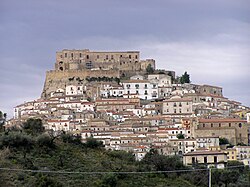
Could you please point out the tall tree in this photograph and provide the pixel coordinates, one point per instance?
(150, 69)
(185, 78)
(33, 126)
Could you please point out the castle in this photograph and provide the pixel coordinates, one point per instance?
(86, 59)
(71, 64)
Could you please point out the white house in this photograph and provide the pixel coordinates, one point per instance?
(143, 88)
(74, 90)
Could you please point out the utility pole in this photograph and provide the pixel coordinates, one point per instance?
(210, 178)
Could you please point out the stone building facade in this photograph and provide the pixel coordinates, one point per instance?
(86, 59)
(235, 130)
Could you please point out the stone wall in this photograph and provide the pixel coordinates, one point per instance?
(60, 79)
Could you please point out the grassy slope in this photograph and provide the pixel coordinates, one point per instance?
(70, 157)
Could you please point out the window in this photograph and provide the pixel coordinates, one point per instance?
(219, 124)
(129, 56)
(229, 124)
(203, 124)
(72, 55)
(146, 92)
(65, 55)
(107, 57)
(80, 55)
(146, 86)
(205, 160)
(240, 125)
(136, 56)
(137, 86)
(215, 159)
(87, 56)
(193, 160)
(212, 125)
(112, 57)
(97, 56)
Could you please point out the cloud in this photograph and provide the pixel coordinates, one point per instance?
(209, 39)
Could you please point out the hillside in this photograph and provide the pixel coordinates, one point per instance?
(32, 149)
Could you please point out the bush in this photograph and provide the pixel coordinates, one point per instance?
(44, 141)
(161, 162)
(69, 138)
(123, 155)
(33, 126)
(93, 143)
(17, 141)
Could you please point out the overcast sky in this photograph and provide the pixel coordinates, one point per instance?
(209, 39)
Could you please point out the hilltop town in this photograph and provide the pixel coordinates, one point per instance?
(125, 102)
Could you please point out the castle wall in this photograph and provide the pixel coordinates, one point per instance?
(128, 60)
(60, 79)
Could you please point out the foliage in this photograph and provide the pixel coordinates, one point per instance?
(17, 141)
(70, 138)
(180, 136)
(185, 78)
(223, 141)
(93, 143)
(103, 79)
(33, 126)
(67, 153)
(161, 162)
(45, 181)
(44, 141)
(149, 69)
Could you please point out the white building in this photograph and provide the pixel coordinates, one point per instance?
(206, 142)
(74, 90)
(143, 88)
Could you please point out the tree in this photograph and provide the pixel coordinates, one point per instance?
(161, 162)
(17, 141)
(150, 69)
(180, 136)
(185, 78)
(93, 143)
(223, 141)
(33, 126)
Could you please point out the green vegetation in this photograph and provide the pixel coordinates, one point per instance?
(33, 149)
(3, 117)
(150, 69)
(185, 78)
(103, 79)
(180, 136)
(223, 141)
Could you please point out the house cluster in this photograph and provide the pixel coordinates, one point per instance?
(146, 112)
